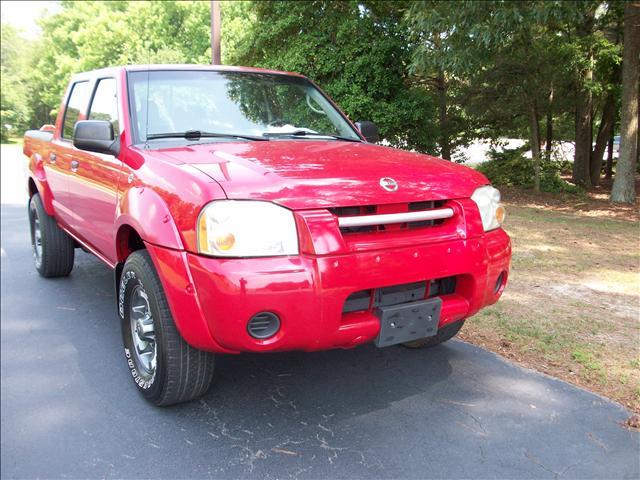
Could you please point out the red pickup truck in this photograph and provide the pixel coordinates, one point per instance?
(241, 211)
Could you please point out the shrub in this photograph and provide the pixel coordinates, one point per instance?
(511, 168)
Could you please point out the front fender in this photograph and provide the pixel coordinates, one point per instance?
(177, 282)
(147, 213)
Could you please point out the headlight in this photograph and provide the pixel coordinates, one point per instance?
(230, 228)
(488, 200)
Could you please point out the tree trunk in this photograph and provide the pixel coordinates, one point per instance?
(584, 106)
(623, 190)
(549, 136)
(608, 172)
(443, 118)
(604, 133)
(581, 175)
(534, 130)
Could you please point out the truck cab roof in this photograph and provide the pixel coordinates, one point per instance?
(111, 71)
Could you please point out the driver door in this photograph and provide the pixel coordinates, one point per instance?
(93, 183)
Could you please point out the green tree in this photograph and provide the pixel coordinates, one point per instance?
(432, 75)
(238, 19)
(513, 59)
(357, 52)
(500, 53)
(589, 30)
(15, 51)
(88, 35)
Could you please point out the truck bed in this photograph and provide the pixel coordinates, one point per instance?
(33, 139)
(39, 135)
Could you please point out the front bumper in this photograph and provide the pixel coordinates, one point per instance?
(212, 299)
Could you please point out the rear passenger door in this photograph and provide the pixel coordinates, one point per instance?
(57, 163)
(93, 184)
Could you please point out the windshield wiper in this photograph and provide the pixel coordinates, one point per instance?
(197, 135)
(305, 133)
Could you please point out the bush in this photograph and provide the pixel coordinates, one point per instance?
(511, 168)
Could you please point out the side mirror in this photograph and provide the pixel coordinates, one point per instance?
(369, 131)
(95, 136)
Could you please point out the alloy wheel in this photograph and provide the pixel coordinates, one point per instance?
(143, 331)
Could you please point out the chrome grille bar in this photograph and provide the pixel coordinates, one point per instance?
(385, 219)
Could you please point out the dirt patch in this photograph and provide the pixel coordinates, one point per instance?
(572, 307)
(633, 422)
(594, 203)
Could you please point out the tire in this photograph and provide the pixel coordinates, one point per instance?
(165, 369)
(445, 333)
(53, 249)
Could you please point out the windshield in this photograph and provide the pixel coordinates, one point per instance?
(233, 103)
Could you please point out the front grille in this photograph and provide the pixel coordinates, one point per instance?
(421, 206)
(398, 294)
(357, 211)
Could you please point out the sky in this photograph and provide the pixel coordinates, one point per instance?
(23, 14)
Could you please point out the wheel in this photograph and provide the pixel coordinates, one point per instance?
(165, 369)
(445, 333)
(53, 249)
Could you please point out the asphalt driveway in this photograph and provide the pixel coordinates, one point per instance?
(69, 408)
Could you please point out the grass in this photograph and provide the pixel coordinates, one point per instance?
(584, 357)
(11, 141)
(572, 306)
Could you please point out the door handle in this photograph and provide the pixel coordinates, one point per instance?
(74, 165)
(52, 158)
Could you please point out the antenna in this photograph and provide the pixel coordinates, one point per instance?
(146, 117)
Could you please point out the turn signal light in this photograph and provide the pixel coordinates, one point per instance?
(501, 213)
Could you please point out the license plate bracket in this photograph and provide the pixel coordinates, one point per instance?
(407, 322)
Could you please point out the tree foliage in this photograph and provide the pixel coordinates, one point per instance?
(13, 90)
(356, 51)
(433, 75)
(88, 35)
(514, 63)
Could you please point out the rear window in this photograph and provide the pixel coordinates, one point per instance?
(75, 106)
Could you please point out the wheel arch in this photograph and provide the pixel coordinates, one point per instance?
(128, 240)
(32, 187)
(142, 212)
(37, 183)
(143, 217)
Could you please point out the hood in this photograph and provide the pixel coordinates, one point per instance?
(303, 174)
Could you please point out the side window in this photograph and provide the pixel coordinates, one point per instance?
(75, 106)
(105, 103)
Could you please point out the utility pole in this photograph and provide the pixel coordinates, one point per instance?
(215, 33)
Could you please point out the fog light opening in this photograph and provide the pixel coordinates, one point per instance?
(263, 325)
(499, 283)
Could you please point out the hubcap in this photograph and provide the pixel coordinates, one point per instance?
(142, 330)
(36, 238)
